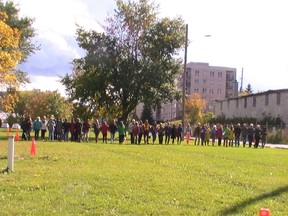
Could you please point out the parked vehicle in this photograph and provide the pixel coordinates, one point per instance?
(16, 126)
(5, 125)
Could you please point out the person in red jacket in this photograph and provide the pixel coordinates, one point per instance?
(104, 131)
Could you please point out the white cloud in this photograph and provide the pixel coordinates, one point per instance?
(245, 34)
(45, 83)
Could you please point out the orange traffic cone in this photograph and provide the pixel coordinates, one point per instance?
(264, 212)
(17, 135)
(33, 147)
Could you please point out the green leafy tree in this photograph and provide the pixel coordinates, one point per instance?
(131, 62)
(147, 114)
(249, 89)
(37, 103)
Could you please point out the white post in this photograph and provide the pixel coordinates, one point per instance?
(11, 153)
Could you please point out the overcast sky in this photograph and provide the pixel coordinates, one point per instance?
(248, 34)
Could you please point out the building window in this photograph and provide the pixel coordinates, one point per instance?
(196, 90)
(204, 81)
(245, 102)
(219, 91)
(204, 90)
(278, 100)
(219, 74)
(266, 99)
(196, 72)
(211, 73)
(254, 101)
(196, 81)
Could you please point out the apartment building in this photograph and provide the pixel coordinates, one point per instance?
(211, 82)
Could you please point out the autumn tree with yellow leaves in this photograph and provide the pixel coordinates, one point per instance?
(10, 55)
(194, 108)
(15, 47)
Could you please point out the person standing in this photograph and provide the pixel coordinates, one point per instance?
(188, 133)
(167, 130)
(202, 134)
(66, 129)
(59, 129)
(141, 131)
(122, 132)
(130, 130)
(25, 128)
(104, 131)
(29, 126)
(161, 133)
(244, 134)
(226, 132)
(213, 134)
(73, 129)
(179, 133)
(112, 129)
(78, 130)
(250, 134)
(146, 127)
(37, 124)
(219, 134)
(96, 128)
(153, 130)
(207, 135)
(231, 137)
(237, 133)
(43, 127)
(86, 130)
(173, 133)
(197, 134)
(257, 135)
(51, 127)
(136, 130)
(264, 137)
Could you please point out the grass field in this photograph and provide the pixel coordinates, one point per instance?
(112, 179)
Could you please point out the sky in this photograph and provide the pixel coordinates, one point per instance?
(245, 34)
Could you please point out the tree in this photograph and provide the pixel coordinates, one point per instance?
(249, 90)
(23, 25)
(194, 108)
(133, 61)
(9, 57)
(147, 114)
(15, 47)
(37, 103)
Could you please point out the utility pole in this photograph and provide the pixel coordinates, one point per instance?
(184, 82)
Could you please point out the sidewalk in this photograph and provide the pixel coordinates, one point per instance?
(282, 146)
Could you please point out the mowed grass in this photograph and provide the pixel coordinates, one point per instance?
(111, 179)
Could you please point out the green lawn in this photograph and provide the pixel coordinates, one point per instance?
(112, 179)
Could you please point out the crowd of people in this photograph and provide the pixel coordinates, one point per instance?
(139, 132)
(230, 135)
